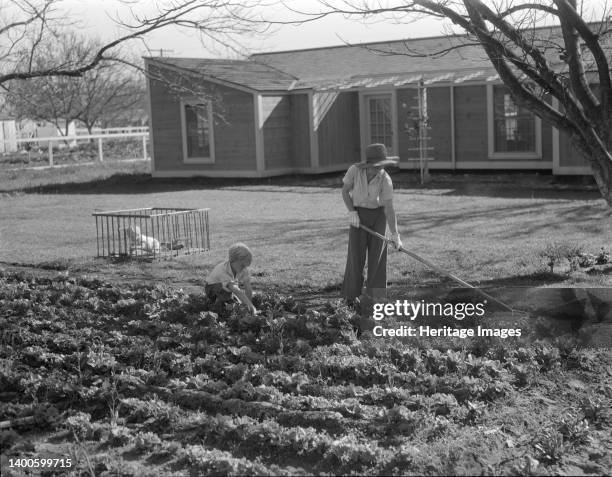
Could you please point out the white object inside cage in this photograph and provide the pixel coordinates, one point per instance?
(151, 232)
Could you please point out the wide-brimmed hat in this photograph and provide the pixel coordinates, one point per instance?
(376, 155)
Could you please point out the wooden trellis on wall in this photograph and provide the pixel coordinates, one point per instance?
(155, 232)
(420, 131)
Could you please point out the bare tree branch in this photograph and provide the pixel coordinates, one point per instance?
(496, 53)
(39, 38)
(576, 67)
(218, 20)
(33, 18)
(528, 7)
(408, 50)
(525, 60)
(570, 20)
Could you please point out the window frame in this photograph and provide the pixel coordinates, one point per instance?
(493, 154)
(211, 135)
(364, 95)
(373, 123)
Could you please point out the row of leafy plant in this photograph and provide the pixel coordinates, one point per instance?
(291, 391)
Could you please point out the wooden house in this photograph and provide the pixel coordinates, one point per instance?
(315, 110)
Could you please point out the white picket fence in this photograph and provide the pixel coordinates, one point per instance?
(107, 134)
(118, 130)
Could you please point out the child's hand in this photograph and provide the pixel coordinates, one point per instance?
(253, 310)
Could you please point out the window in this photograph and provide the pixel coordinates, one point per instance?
(380, 121)
(514, 126)
(197, 126)
(514, 132)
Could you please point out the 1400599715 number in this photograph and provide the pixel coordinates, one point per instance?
(40, 463)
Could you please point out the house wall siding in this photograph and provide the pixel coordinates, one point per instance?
(569, 156)
(407, 114)
(547, 146)
(234, 128)
(276, 116)
(300, 120)
(338, 131)
(471, 123)
(439, 112)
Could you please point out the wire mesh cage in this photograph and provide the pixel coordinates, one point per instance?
(154, 232)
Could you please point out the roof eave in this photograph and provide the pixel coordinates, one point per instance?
(200, 75)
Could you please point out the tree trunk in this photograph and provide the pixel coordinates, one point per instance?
(90, 131)
(595, 145)
(602, 172)
(600, 159)
(67, 131)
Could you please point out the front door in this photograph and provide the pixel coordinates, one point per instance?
(379, 121)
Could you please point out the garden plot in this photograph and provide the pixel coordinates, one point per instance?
(142, 379)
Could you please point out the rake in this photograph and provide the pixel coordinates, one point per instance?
(437, 269)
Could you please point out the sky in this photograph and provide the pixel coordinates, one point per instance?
(95, 17)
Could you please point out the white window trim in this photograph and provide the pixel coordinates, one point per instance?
(363, 119)
(211, 133)
(537, 154)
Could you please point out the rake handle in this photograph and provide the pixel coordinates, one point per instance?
(437, 269)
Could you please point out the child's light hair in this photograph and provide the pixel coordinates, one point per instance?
(240, 251)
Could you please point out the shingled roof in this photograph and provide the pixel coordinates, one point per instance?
(392, 57)
(247, 73)
(453, 58)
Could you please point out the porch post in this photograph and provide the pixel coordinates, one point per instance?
(314, 133)
(556, 160)
(259, 137)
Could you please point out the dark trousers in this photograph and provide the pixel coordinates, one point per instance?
(218, 296)
(360, 243)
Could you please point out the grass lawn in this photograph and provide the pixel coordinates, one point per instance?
(126, 379)
(487, 229)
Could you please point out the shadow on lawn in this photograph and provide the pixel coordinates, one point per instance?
(518, 192)
(531, 217)
(483, 184)
(514, 185)
(142, 183)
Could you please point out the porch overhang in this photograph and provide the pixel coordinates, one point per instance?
(398, 80)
